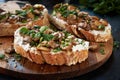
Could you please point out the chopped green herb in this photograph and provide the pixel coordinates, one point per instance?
(101, 27)
(102, 51)
(56, 49)
(30, 10)
(65, 44)
(24, 31)
(41, 39)
(32, 35)
(23, 20)
(47, 37)
(17, 56)
(21, 12)
(43, 28)
(2, 56)
(64, 11)
(30, 32)
(66, 34)
(36, 17)
(54, 13)
(3, 16)
(37, 35)
(82, 42)
(116, 44)
(33, 43)
(101, 45)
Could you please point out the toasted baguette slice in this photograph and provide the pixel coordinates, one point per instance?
(37, 15)
(80, 23)
(69, 55)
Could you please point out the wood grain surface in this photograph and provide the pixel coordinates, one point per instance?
(28, 70)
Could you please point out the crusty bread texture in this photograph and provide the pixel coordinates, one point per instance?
(8, 27)
(68, 57)
(80, 23)
(92, 35)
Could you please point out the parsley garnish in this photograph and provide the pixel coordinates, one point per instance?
(17, 56)
(24, 31)
(56, 49)
(102, 51)
(101, 45)
(43, 28)
(47, 37)
(2, 56)
(21, 12)
(101, 27)
(33, 43)
(63, 9)
(116, 44)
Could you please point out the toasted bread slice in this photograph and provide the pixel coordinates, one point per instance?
(69, 18)
(9, 22)
(61, 48)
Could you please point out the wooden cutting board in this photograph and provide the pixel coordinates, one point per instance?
(28, 70)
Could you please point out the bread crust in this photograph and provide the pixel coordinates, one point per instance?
(83, 33)
(37, 58)
(67, 57)
(63, 58)
(7, 29)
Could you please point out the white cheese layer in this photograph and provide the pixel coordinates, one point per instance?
(83, 46)
(19, 40)
(102, 33)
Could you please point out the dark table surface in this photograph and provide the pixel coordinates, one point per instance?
(111, 69)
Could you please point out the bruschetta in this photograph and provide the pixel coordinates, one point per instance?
(9, 22)
(70, 18)
(40, 44)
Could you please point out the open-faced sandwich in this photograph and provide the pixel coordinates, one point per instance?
(9, 22)
(40, 44)
(69, 18)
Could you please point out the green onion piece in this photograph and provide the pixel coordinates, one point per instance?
(31, 32)
(32, 35)
(47, 37)
(41, 39)
(37, 35)
(17, 56)
(116, 44)
(24, 31)
(101, 27)
(2, 56)
(43, 28)
(66, 34)
(3, 16)
(21, 13)
(102, 51)
(56, 49)
(101, 45)
(36, 17)
(32, 43)
(82, 42)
